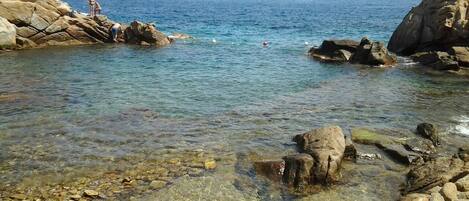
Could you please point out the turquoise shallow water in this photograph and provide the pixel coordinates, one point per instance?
(81, 106)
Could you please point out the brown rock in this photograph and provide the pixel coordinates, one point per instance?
(461, 54)
(416, 197)
(463, 184)
(26, 32)
(430, 132)
(327, 147)
(435, 172)
(59, 25)
(449, 191)
(298, 170)
(272, 169)
(431, 25)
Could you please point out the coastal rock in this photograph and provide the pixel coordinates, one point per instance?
(416, 197)
(463, 154)
(436, 197)
(437, 60)
(373, 53)
(350, 152)
(365, 52)
(7, 34)
(399, 153)
(298, 170)
(449, 191)
(139, 32)
(463, 184)
(430, 132)
(369, 137)
(41, 23)
(272, 169)
(419, 145)
(461, 54)
(435, 172)
(334, 50)
(431, 25)
(326, 146)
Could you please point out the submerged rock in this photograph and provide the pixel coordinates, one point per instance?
(298, 170)
(365, 52)
(437, 60)
(272, 169)
(326, 146)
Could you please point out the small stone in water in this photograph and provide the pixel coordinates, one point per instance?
(157, 184)
(210, 164)
(91, 193)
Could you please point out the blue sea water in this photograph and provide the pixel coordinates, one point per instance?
(232, 95)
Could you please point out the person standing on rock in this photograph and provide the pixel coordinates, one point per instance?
(92, 4)
(97, 10)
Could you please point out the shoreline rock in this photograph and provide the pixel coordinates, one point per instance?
(435, 34)
(43, 23)
(365, 52)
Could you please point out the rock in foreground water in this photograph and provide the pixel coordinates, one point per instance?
(298, 170)
(326, 146)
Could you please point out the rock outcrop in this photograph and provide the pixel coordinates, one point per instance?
(145, 34)
(366, 52)
(327, 147)
(40, 23)
(7, 34)
(431, 28)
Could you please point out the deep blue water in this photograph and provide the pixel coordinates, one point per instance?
(234, 94)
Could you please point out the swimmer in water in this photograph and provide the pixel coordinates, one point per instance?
(265, 44)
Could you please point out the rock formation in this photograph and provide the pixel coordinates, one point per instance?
(365, 52)
(437, 29)
(40, 23)
(327, 147)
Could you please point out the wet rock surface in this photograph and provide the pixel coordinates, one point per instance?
(430, 132)
(141, 34)
(365, 52)
(298, 170)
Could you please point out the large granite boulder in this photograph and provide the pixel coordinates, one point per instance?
(365, 52)
(432, 24)
(7, 34)
(145, 34)
(432, 27)
(326, 146)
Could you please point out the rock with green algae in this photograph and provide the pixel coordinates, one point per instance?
(370, 137)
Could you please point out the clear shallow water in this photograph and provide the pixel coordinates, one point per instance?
(79, 107)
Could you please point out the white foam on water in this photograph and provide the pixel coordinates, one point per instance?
(462, 126)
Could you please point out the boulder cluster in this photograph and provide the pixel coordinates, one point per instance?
(39, 23)
(365, 52)
(435, 33)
